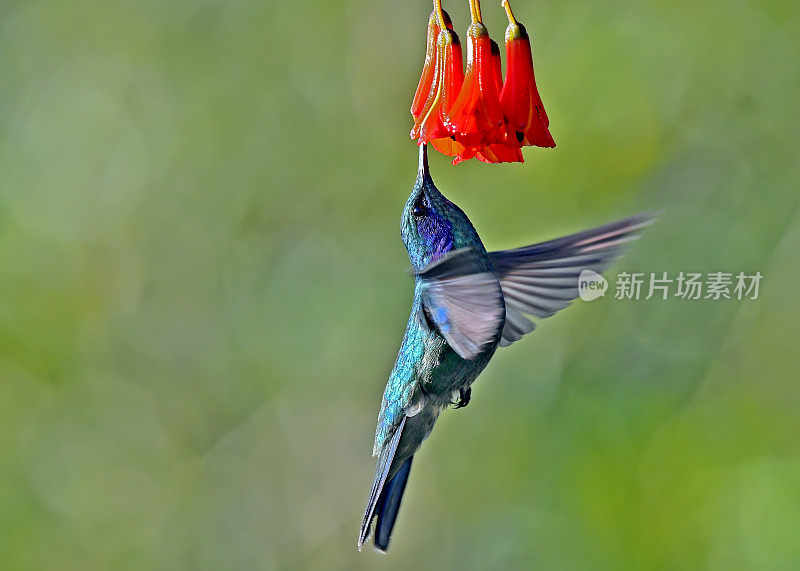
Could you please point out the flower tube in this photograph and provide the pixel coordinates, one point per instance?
(519, 97)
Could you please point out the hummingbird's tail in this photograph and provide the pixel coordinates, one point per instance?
(389, 504)
(386, 493)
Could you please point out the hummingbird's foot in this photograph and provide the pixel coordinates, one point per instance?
(463, 397)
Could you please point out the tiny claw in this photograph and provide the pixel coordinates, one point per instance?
(464, 396)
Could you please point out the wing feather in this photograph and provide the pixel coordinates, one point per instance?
(542, 279)
(464, 302)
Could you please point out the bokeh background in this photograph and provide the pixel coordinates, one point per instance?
(202, 290)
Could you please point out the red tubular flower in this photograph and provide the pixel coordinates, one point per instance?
(448, 77)
(508, 150)
(478, 114)
(429, 67)
(519, 97)
(476, 117)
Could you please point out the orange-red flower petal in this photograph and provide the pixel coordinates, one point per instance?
(449, 146)
(499, 153)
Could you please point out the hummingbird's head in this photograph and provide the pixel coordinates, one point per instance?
(431, 225)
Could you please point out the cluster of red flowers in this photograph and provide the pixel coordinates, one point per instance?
(478, 114)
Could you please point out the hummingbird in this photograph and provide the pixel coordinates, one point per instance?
(467, 303)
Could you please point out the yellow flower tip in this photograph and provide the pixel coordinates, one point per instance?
(477, 30)
(516, 31)
(448, 37)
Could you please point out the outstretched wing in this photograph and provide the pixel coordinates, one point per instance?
(463, 301)
(541, 279)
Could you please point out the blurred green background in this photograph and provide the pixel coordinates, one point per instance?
(202, 290)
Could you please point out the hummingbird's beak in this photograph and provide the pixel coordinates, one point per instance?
(423, 171)
(423, 159)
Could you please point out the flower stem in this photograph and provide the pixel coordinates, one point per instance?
(511, 19)
(437, 7)
(475, 11)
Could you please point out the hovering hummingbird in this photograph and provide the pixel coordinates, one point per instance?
(467, 303)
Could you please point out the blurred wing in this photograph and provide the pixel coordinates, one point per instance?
(462, 301)
(541, 279)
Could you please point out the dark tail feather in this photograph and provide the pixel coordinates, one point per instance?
(381, 473)
(388, 504)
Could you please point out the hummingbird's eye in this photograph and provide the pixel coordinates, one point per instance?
(419, 209)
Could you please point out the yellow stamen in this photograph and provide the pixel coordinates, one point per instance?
(437, 7)
(475, 11)
(511, 19)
